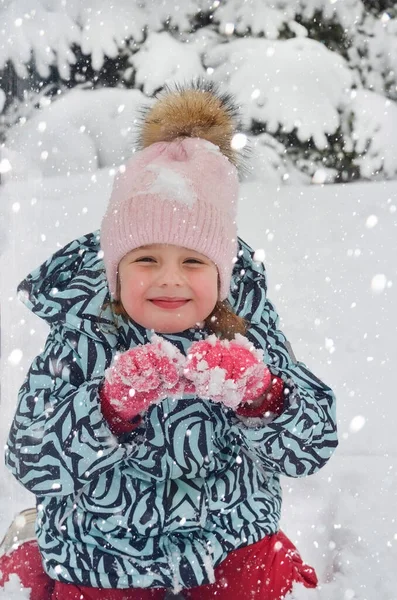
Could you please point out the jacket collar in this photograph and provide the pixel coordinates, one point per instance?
(130, 334)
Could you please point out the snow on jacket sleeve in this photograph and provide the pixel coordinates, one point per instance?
(58, 440)
(302, 439)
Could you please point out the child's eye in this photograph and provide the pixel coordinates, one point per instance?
(194, 261)
(145, 259)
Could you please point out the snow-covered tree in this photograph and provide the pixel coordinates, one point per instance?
(316, 78)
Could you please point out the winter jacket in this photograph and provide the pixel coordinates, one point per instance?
(163, 505)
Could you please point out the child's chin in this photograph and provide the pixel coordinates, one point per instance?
(169, 323)
(174, 326)
(170, 329)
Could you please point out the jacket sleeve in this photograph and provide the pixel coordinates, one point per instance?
(303, 437)
(59, 440)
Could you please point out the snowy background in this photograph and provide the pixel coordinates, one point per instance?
(331, 259)
(330, 249)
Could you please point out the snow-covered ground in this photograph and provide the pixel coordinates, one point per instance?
(331, 260)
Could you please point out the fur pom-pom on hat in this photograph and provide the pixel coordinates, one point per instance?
(199, 110)
(181, 187)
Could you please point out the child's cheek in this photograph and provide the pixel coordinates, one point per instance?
(206, 288)
(210, 283)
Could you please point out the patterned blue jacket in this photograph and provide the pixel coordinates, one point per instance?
(162, 506)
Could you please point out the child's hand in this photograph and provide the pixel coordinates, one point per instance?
(231, 372)
(271, 402)
(140, 377)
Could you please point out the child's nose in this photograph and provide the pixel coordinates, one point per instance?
(171, 276)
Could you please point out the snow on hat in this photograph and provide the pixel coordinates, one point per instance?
(181, 188)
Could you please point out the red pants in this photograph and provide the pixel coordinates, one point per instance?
(265, 570)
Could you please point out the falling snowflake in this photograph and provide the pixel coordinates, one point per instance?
(15, 357)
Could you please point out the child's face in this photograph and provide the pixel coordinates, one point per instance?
(167, 288)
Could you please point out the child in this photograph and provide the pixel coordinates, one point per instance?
(154, 427)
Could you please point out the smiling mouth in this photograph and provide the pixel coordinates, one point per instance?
(169, 303)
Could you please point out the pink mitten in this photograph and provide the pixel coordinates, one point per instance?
(140, 377)
(231, 372)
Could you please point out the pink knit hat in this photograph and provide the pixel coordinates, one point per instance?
(181, 190)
